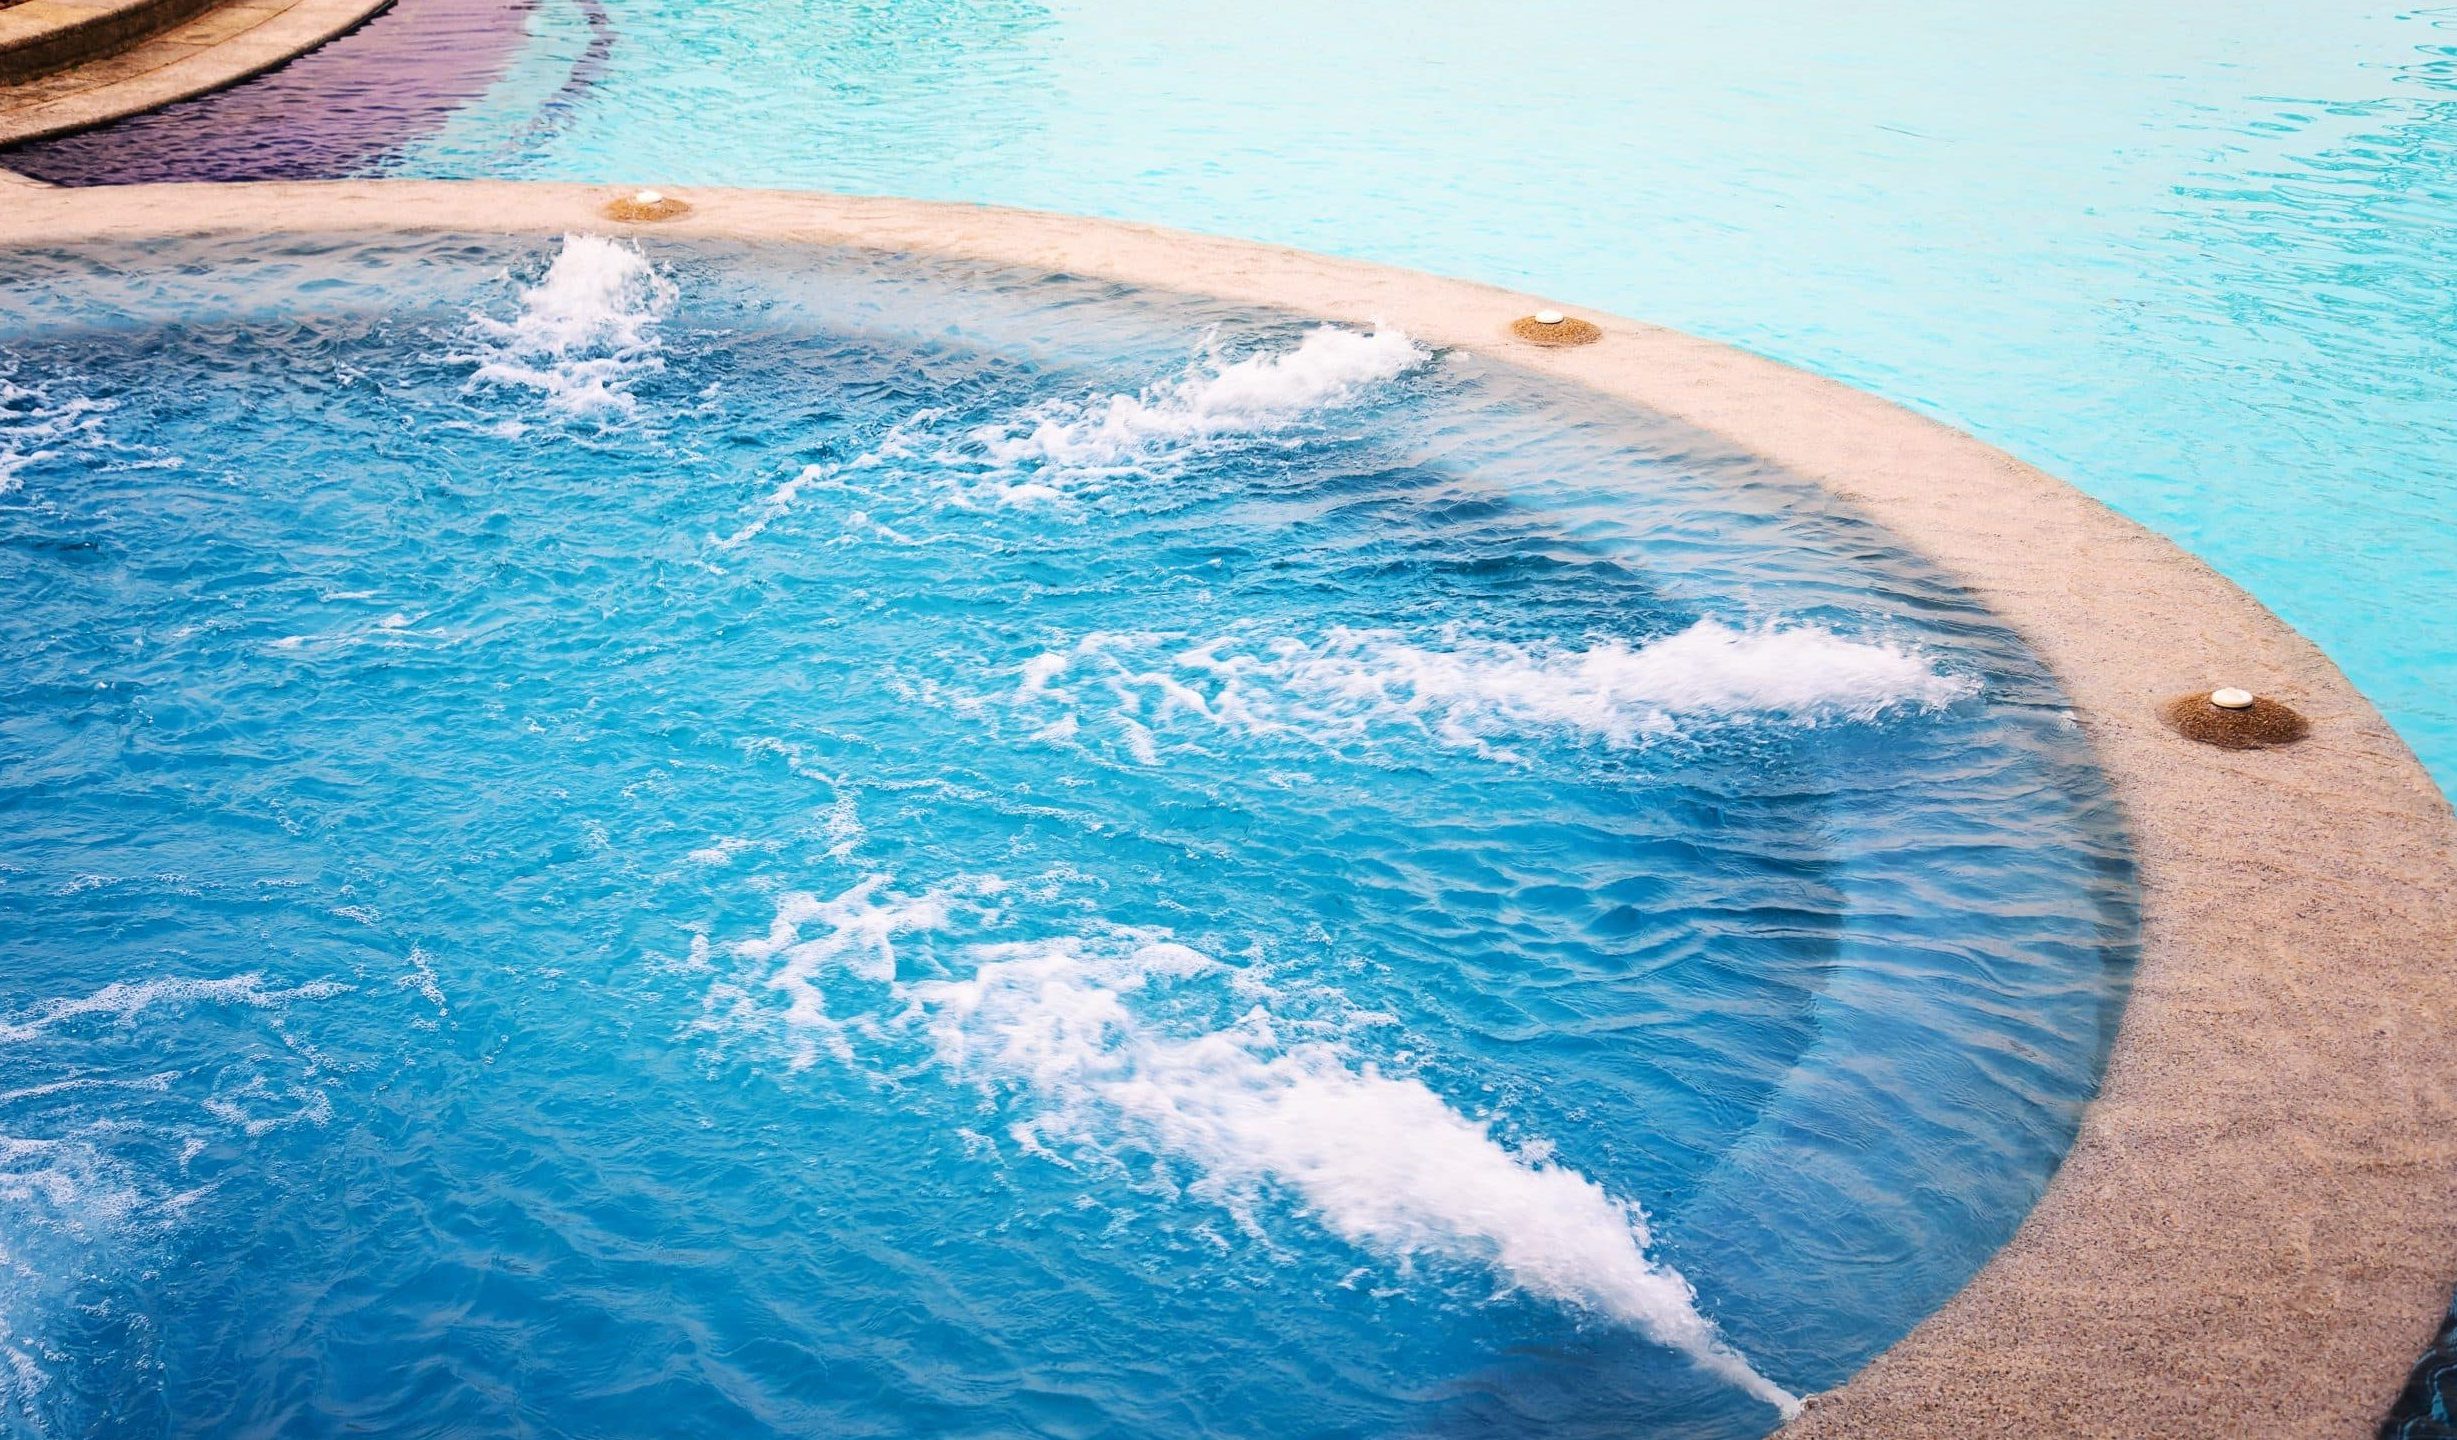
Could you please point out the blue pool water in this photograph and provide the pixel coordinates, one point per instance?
(2191, 257)
(732, 842)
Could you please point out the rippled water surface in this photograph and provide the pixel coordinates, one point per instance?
(2192, 257)
(734, 843)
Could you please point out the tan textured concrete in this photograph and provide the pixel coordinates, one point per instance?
(218, 48)
(2257, 1227)
(38, 37)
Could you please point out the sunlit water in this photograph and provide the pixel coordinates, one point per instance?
(739, 843)
(2192, 257)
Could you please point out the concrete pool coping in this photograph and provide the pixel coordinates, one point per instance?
(226, 44)
(2255, 1231)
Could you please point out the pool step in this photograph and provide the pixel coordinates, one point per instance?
(42, 37)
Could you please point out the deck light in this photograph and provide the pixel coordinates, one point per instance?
(637, 207)
(1553, 330)
(2233, 719)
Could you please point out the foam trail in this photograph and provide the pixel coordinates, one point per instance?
(33, 427)
(776, 506)
(1035, 454)
(585, 330)
(1210, 399)
(1381, 1161)
(124, 1000)
(1464, 689)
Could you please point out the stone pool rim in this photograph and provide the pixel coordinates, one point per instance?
(215, 49)
(2255, 1230)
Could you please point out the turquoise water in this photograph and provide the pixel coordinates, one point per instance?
(737, 843)
(2193, 258)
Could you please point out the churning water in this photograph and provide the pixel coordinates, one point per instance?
(2193, 257)
(726, 842)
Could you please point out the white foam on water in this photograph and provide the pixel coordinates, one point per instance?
(902, 442)
(82, 1190)
(1209, 399)
(422, 978)
(241, 1109)
(1466, 690)
(22, 1382)
(159, 1082)
(1039, 454)
(1257, 1106)
(775, 506)
(394, 631)
(1379, 1160)
(1212, 400)
(586, 330)
(34, 427)
(94, 1200)
(843, 828)
(68, 1205)
(125, 1000)
(721, 851)
(855, 934)
(795, 757)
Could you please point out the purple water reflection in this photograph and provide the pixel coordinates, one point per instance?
(335, 111)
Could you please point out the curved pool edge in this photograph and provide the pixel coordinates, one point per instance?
(213, 51)
(2256, 1228)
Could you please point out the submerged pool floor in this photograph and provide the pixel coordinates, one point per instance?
(732, 842)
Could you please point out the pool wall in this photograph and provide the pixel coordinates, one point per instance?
(2256, 1229)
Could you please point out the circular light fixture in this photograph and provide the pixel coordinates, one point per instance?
(2233, 719)
(1552, 329)
(644, 207)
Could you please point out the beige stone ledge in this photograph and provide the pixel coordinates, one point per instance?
(38, 37)
(2256, 1229)
(219, 48)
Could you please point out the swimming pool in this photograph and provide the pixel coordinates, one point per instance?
(804, 841)
(2187, 259)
